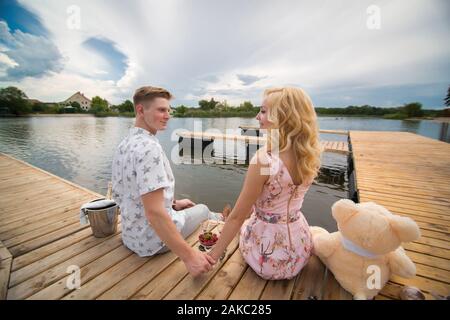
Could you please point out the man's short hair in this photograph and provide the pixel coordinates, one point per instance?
(148, 93)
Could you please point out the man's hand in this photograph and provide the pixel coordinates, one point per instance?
(183, 204)
(199, 263)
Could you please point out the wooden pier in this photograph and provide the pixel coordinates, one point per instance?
(410, 175)
(42, 241)
(255, 130)
(193, 143)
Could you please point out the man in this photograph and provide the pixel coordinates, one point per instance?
(143, 186)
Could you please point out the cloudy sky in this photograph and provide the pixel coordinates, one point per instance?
(349, 52)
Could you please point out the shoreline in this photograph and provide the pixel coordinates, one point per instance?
(75, 115)
(436, 119)
(60, 115)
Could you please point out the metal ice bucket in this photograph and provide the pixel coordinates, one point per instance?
(103, 215)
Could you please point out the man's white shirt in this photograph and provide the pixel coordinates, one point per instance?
(141, 166)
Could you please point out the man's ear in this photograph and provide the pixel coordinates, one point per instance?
(343, 210)
(139, 109)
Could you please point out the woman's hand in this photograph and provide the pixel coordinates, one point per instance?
(199, 263)
(182, 204)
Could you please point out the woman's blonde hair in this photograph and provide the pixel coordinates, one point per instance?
(291, 112)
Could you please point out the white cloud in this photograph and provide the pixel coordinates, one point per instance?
(23, 54)
(199, 49)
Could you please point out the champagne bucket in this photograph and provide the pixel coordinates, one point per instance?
(103, 215)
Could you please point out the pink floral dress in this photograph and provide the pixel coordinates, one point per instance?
(275, 241)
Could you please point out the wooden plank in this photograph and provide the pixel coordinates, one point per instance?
(340, 132)
(432, 251)
(413, 206)
(434, 234)
(45, 239)
(49, 189)
(32, 269)
(433, 242)
(20, 208)
(406, 198)
(189, 287)
(98, 285)
(28, 232)
(221, 286)
(426, 259)
(416, 192)
(278, 290)
(88, 272)
(333, 290)
(5, 269)
(25, 211)
(36, 283)
(250, 287)
(430, 188)
(424, 284)
(393, 290)
(22, 181)
(378, 189)
(8, 173)
(135, 283)
(168, 278)
(433, 227)
(401, 176)
(45, 251)
(433, 273)
(398, 181)
(160, 286)
(15, 240)
(311, 281)
(37, 221)
(27, 188)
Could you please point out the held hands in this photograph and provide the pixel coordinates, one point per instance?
(199, 263)
(182, 204)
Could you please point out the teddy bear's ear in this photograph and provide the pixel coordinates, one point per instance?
(405, 228)
(343, 209)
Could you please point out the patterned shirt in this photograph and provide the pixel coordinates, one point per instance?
(141, 166)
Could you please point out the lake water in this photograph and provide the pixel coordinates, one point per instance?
(80, 149)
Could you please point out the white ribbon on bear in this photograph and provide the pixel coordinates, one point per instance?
(352, 247)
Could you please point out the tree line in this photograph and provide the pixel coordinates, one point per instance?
(14, 101)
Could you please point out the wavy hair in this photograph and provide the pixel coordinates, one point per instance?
(291, 111)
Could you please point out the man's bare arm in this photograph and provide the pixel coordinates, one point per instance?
(196, 262)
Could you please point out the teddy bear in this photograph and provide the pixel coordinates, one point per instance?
(366, 250)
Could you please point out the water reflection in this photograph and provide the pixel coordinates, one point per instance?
(445, 133)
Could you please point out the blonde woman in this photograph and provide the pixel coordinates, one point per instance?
(275, 240)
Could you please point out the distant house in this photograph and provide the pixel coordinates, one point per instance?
(79, 97)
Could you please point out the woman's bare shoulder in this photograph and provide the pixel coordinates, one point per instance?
(261, 157)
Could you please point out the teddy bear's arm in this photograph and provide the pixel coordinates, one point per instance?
(325, 244)
(400, 264)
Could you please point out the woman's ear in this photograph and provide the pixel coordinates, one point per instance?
(343, 209)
